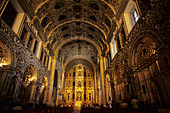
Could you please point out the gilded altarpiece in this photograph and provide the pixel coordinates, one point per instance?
(79, 86)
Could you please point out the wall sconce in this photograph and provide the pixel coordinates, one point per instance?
(28, 79)
(1, 65)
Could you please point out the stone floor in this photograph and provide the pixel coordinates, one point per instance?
(77, 110)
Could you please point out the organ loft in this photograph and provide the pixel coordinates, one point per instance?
(84, 56)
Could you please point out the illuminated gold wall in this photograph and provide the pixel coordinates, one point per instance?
(79, 86)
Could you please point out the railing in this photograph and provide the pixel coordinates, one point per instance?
(14, 38)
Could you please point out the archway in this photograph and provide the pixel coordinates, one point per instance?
(79, 86)
(5, 62)
(78, 39)
(43, 91)
(147, 77)
(119, 84)
(28, 85)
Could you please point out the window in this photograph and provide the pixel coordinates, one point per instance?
(9, 14)
(30, 42)
(118, 41)
(84, 74)
(113, 48)
(135, 16)
(130, 16)
(123, 35)
(44, 60)
(35, 46)
(23, 35)
(41, 56)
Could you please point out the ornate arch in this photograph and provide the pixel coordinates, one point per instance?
(67, 62)
(149, 39)
(9, 43)
(76, 38)
(33, 67)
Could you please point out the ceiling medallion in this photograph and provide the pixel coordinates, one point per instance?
(78, 16)
(94, 6)
(91, 36)
(77, 23)
(77, 8)
(93, 18)
(59, 5)
(61, 17)
(92, 29)
(64, 28)
(66, 35)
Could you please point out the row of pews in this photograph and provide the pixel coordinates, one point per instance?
(105, 110)
(42, 110)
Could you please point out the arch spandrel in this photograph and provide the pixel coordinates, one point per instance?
(84, 61)
(76, 38)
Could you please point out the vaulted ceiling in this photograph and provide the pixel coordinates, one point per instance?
(64, 19)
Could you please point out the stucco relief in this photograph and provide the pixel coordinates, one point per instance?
(77, 48)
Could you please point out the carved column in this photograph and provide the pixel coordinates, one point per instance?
(58, 87)
(102, 80)
(51, 82)
(32, 44)
(27, 39)
(62, 81)
(95, 87)
(37, 94)
(121, 40)
(98, 87)
(38, 49)
(33, 86)
(45, 96)
(111, 49)
(49, 64)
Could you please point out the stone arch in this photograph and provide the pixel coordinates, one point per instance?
(31, 70)
(7, 44)
(56, 54)
(76, 38)
(43, 90)
(143, 59)
(149, 33)
(67, 62)
(119, 82)
(28, 84)
(33, 63)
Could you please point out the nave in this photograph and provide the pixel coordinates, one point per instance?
(65, 56)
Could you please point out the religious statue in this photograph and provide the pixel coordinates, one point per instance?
(78, 96)
(79, 84)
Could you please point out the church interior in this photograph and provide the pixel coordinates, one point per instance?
(59, 56)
